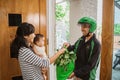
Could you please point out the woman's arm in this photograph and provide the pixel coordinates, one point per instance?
(27, 55)
(54, 57)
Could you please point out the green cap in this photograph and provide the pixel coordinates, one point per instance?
(90, 21)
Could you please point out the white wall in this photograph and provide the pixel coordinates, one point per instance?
(78, 9)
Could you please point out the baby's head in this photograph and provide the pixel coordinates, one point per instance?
(39, 40)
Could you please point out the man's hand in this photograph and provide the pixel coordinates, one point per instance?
(71, 76)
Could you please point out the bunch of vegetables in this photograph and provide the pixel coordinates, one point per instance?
(64, 59)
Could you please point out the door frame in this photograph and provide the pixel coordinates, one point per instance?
(107, 40)
(51, 36)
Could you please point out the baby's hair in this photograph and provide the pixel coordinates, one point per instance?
(37, 37)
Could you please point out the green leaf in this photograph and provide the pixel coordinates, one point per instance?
(66, 56)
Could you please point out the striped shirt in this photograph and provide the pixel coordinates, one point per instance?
(30, 64)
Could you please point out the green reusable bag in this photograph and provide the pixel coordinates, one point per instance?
(65, 65)
(62, 73)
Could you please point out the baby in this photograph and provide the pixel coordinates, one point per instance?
(39, 46)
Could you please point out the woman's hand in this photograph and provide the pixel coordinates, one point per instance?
(53, 58)
(61, 51)
(66, 44)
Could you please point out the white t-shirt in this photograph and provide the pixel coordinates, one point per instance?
(41, 50)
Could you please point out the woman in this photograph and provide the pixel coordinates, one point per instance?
(30, 63)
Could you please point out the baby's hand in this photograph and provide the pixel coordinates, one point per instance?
(44, 70)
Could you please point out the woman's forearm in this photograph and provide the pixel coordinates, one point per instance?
(54, 57)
